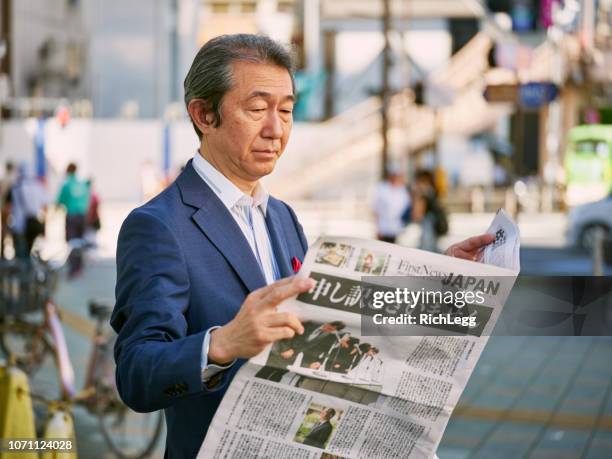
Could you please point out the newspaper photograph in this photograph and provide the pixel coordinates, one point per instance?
(391, 337)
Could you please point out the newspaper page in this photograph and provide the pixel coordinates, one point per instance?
(504, 251)
(346, 388)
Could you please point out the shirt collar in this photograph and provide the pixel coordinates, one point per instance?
(229, 194)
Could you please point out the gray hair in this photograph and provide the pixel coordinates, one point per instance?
(210, 75)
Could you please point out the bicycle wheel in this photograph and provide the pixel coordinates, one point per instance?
(25, 342)
(129, 435)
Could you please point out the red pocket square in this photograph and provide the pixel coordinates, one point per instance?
(296, 264)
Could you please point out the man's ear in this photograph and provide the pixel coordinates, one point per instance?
(201, 115)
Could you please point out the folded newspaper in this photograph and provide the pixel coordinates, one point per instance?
(378, 369)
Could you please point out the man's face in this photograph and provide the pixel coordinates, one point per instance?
(256, 120)
(328, 328)
(395, 179)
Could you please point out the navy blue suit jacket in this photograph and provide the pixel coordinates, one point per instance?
(183, 266)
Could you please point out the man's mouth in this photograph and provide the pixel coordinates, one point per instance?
(265, 152)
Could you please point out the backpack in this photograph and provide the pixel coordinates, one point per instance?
(440, 219)
(406, 216)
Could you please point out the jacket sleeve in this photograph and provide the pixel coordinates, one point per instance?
(157, 362)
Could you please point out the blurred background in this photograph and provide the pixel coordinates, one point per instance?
(505, 103)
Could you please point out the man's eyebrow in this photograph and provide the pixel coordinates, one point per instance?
(266, 95)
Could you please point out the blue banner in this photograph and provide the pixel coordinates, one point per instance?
(40, 161)
(536, 94)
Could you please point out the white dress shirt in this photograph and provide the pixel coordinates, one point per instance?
(249, 213)
(390, 202)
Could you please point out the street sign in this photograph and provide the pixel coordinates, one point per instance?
(501, 93)
(535, 94)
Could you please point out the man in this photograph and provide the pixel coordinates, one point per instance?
(320, 433)
(28, 201)
(5, 187)
(358, 351)
(428, 211)
(371, 367)
(340, 358)
(74, 197)
(198, 266)
(315, 340)
(316, 345)
(391, 201)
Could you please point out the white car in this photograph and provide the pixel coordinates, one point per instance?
(583, 220)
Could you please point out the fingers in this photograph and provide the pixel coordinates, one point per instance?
(261, 292)
(275, 334)
(284, 319)
(475, 242)
(458, 253)
(283, 290)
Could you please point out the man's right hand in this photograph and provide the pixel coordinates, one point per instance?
(258, 323)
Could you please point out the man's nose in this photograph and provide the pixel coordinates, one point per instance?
(273, 127)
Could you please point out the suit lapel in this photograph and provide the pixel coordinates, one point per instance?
(279, 245)
(216, 222)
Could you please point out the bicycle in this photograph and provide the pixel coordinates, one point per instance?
(27, 339)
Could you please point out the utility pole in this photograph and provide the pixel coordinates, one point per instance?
(174, 52)
(329, 41)
(385, 92)
(6, 16)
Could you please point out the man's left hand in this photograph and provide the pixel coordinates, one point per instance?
(470, 248)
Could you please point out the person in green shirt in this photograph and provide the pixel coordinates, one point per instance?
(74, 197)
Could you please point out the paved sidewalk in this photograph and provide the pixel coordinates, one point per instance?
(98, 281)
(536, 397)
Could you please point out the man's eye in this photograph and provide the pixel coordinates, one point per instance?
(287, 110)
(258, 109)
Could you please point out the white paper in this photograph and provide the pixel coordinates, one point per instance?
(323, 395)
(504, 251)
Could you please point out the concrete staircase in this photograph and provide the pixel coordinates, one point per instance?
(341, 156)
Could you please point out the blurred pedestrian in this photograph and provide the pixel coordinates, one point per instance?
(428, 211)
(74, 196)
(5, 187)
(92, 220)
(391, 202)
(28, 202)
